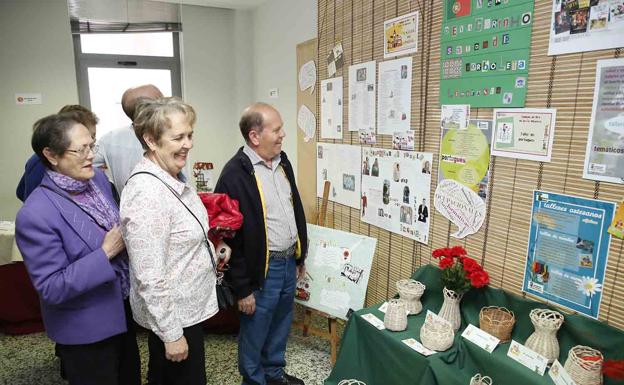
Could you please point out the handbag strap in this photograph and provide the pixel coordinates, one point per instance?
(218, 274)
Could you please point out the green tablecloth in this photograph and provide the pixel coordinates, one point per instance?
(378, 357)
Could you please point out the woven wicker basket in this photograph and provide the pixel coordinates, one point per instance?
(437, 336)
(477, 379)
(411, 291)
(544, 338)
(498, 321)
(396, 315)
(351, 382)
(584, 365)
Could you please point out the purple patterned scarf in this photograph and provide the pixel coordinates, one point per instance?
(91, 199)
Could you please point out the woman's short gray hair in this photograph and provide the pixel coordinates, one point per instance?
(152, 117)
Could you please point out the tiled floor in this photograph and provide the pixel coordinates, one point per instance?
(29, 359)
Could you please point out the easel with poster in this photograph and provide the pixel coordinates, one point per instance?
(331, 334)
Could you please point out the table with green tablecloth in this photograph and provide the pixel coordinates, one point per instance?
(378, 357)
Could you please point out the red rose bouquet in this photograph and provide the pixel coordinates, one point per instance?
(460, 273)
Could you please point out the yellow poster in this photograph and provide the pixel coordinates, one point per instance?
(401, 35)
(617, 226)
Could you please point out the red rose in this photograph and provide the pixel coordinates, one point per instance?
(479, 278)
(457, 251)
(443, 252)
(470, 265)
(446, 262)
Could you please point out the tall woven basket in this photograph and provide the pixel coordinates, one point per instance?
(584, 365)
(497, 321)
(478, 379)
(544, 338)
(396, 315)
(411, 291)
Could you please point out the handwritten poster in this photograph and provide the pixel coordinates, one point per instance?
(525, 133)
(362, 79)
(567, 250)
(465, 156)
(337, 270)
(585, 25)
(401, 35)
(345, 180)
(604, 156)
(395, 191)
(394, 95)
(331, 108)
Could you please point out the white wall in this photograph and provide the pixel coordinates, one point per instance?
(37, 57)
(278, 26)
(215, 80)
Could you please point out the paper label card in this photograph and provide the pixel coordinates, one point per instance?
(417, 346)
(433, 317)
(376, 322)
(527, 357)
(480, 338)
(559, 375)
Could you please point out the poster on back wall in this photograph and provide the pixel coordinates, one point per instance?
(485, 51)
(340, 165)
(567, 250)
(585, 25)
(395, 191)
(604, 156)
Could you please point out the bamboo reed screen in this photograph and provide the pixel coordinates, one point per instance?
(564, 82)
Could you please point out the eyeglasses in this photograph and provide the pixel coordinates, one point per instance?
(84, 152)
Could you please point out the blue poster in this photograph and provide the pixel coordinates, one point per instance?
(568, 249)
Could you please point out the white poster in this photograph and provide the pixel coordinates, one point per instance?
(524, 133)
(337, 270)
(307, 76)
(362, 79)
(340, 165)
(586, 25)
(394, 96)
(331, 108)
(395, 191)
(306, 122)
(454, 116)
(604, 156)
(401, 35)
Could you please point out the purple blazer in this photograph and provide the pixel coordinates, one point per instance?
(80, 295)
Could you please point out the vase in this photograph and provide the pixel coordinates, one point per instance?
(411, 291)
(396, 315)
(450, 308)
(544, 338)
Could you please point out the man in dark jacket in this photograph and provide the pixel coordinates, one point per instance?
(268, 252)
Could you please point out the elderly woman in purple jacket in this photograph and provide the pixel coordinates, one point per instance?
(68, 234)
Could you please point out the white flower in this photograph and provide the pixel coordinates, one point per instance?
(587, 285)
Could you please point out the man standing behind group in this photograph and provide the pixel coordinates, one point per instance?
(120, 150)
(268, 252)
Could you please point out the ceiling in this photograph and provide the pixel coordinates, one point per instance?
(233, 4)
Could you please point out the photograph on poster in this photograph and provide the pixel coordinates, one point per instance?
(604, 156)
(524, 133)
(331, 108)
(585, 25)
(401, 35)
(362, 78)
(337, 269)
(403, 141)
(396, 190)
(465, 156)
(394, 96)
(567, 250)
(345, 180)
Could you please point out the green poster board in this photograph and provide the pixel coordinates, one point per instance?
(484, 52)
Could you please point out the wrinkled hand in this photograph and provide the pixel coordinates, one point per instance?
(224, 252)
(247, 305)
(113, 243)
(176, 351)
(301, 270)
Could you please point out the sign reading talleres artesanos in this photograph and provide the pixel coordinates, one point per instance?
(485, 50)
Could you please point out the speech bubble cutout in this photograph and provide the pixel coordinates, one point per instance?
(461, 206)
